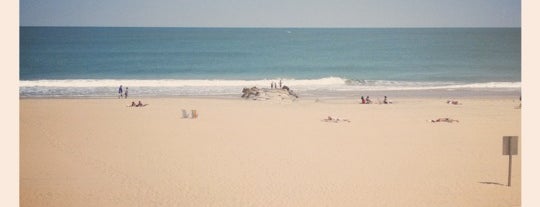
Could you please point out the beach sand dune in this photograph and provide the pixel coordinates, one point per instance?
(98, 152)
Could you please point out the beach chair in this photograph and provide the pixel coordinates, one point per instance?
(185, 115)
(194, 114)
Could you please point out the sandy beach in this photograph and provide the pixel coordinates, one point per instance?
(98, 152)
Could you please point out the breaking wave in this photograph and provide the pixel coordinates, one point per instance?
(174, 87)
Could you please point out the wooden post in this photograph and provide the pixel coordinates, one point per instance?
(509, 163)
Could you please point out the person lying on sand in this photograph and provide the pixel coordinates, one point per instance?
(449, 120)
(132, 104)
(140, 104)
(335, 119)
(453, 102)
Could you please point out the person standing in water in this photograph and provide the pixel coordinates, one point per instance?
(279, 83)
(126, 93)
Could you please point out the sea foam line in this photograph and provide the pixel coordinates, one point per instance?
(175, 82)
(330, 83)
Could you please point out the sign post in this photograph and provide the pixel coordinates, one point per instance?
(510, 147)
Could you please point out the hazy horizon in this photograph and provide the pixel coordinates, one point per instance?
(272, 14)
(270, 27)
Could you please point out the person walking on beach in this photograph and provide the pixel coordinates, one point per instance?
(120, 92)
(126, 93)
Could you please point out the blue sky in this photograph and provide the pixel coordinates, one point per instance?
(272, 13)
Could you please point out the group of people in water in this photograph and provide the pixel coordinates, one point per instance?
(122, 93)
(368, 101)
(274, 85)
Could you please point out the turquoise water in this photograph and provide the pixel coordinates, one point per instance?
(93, 61)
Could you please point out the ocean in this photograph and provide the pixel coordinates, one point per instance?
(95, 61)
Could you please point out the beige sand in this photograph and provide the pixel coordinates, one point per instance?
(98, 152)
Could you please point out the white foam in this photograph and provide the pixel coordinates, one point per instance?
(107, 87)
(328, 81)
(176, 83)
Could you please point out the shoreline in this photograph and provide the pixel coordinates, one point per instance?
(434, 94)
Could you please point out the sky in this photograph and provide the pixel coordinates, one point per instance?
(272, 13)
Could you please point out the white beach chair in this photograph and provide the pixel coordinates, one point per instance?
(185, 115)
